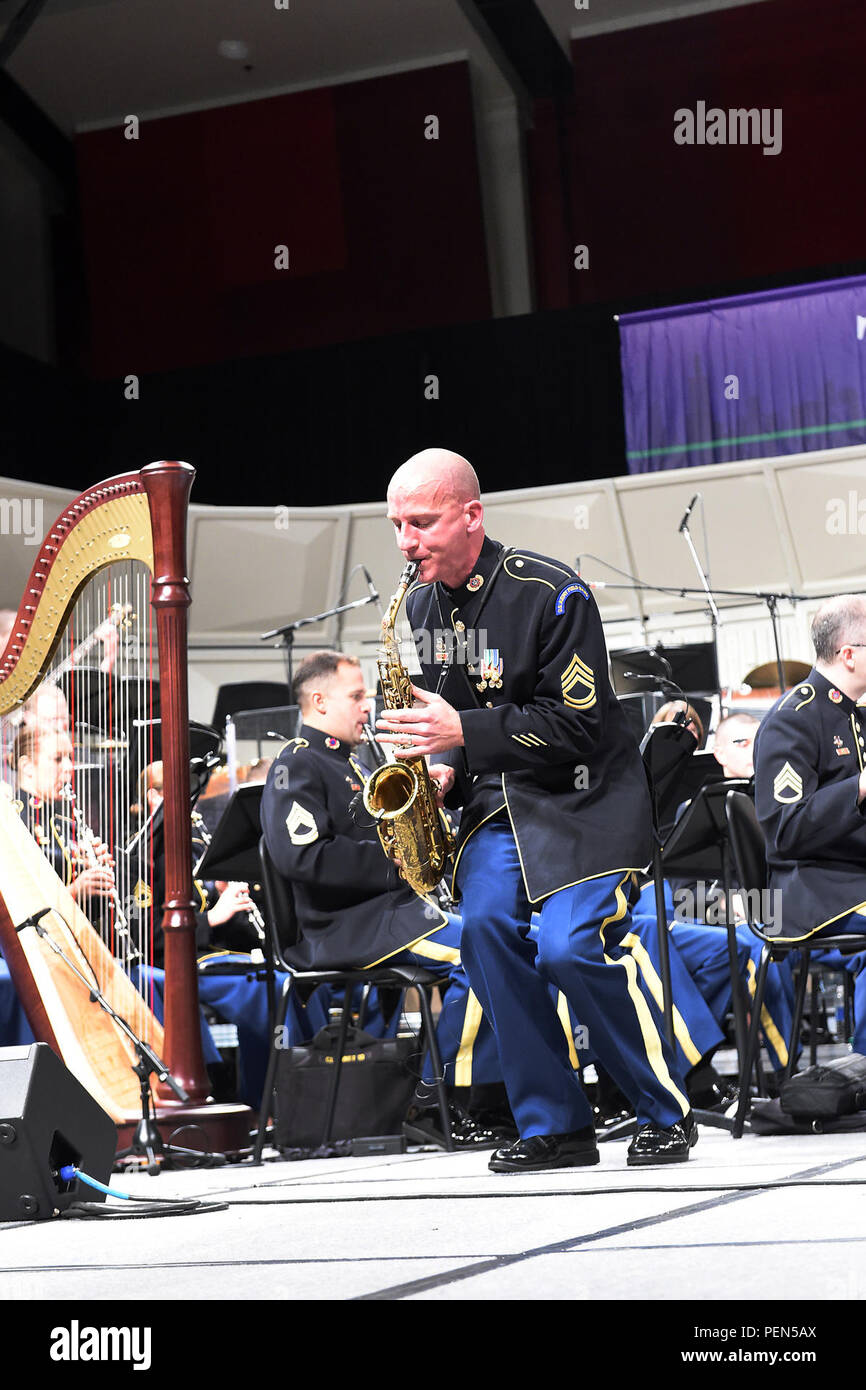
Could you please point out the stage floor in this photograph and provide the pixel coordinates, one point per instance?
(428, 1226)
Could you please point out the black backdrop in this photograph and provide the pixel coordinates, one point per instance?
(531, 400)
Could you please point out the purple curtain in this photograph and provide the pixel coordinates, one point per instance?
(780, 372)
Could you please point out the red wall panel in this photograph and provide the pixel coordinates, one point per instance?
(661, 216)
(384, 228)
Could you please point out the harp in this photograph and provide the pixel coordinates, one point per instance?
(116, 553)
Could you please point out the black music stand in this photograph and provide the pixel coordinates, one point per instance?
(204, 741)
(702, 770)
(274, 722)
(697, 848)
(233, 854)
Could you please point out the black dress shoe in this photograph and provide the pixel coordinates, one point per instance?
(425, 1127)
(652, 1144)
(544, 1151)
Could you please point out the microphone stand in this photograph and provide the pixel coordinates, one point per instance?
(287, 633)
(147, 1142)
(746, 596)
(714, 612)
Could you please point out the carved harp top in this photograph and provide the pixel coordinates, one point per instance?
(116, 520)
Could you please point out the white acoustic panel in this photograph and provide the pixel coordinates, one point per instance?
(251, 573)
(372, 543)
(732, 529)
(825, 509)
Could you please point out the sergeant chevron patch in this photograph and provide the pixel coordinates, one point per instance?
(301, 825)
(577, 673)
(787, 781)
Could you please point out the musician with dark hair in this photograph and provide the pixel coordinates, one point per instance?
(353, 909)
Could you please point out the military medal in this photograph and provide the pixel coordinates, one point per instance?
(441, 653)
(491, 669)
(475, 583)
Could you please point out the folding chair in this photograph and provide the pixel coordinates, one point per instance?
(750, 863)
(282, 924)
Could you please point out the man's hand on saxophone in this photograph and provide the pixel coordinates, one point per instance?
(432, 726)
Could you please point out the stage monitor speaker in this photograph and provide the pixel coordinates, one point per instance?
(48, 1120)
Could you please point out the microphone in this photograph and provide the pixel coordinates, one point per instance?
(668, 688)
(685, 520)
(374, 593)
(35, 919)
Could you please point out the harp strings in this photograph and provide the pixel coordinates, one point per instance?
(76, 760)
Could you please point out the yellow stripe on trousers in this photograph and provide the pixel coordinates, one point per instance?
(565, 1020)
(771, 1033)
(435, 950)
(651, 1039)
(654, 985)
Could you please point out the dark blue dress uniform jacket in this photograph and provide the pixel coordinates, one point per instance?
(549, 745)
(352, 908)
(808, 756)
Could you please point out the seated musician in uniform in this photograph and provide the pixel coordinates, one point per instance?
(810, 794)
(223, 934)
(222, 918)
(702, 943)
(353, 909)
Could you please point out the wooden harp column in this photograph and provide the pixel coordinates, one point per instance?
(168, 487)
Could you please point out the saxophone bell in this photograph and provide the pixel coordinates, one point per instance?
(400, 795)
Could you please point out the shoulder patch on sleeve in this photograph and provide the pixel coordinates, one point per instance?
(301, 825)
(576, 586)
(787, 785)
(578, 676)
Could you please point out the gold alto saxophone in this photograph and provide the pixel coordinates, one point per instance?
(399, 795)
